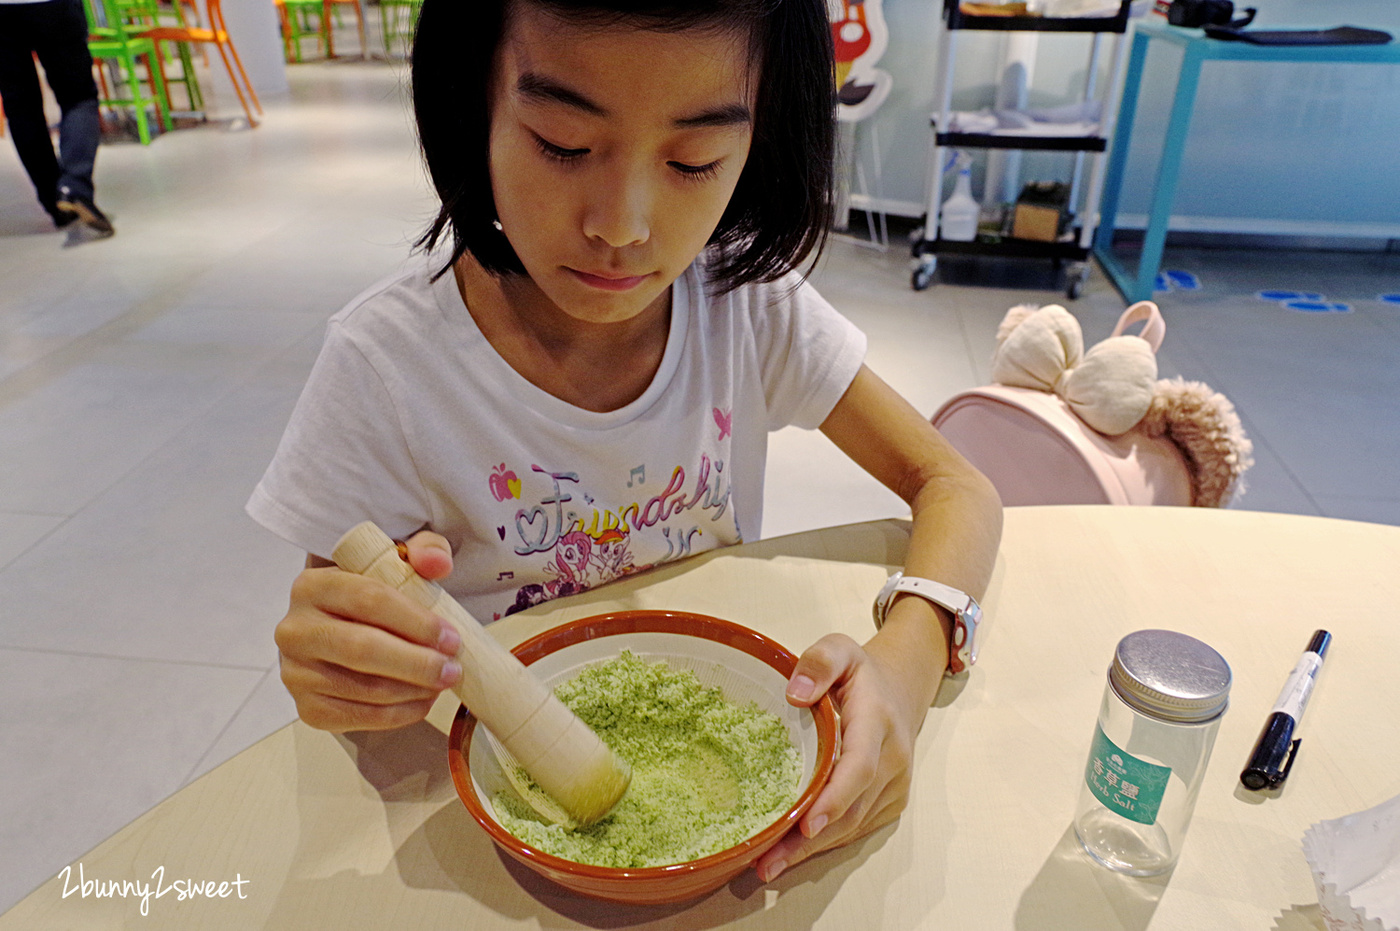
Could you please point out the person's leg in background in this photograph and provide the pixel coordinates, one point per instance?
(24, 107)
(67, 65)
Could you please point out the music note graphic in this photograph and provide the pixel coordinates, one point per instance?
(640, 472)
(505, 575)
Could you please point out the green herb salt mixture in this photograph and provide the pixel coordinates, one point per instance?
(706, 774)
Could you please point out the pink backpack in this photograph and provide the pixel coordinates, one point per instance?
(1183, 443)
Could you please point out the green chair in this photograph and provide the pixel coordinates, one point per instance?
(303, 18)
(395, 32)
(217, 35)
(142, 16)
(109, 39)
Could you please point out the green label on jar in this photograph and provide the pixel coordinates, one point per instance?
(1123, 783)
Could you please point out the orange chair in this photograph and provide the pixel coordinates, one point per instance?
(291, 14)
(216, 33)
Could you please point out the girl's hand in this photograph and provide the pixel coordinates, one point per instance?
(358, 655)
(880, 717)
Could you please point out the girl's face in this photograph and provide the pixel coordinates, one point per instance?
(614, 152)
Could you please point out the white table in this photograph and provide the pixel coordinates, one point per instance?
(367, 832)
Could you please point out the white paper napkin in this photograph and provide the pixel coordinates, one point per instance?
(1355, 863)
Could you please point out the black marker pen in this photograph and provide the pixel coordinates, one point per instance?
(1266, 767)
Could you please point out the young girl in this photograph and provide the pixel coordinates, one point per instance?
(580, 386)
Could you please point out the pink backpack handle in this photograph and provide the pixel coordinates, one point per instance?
(1154, 330)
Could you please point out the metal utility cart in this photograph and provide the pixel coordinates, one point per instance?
(1074, 248)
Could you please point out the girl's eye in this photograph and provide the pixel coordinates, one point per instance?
(558, 153)
(697, 172)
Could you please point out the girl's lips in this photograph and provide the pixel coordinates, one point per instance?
(604, 283)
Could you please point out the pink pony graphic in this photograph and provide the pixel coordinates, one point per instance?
(570, 564)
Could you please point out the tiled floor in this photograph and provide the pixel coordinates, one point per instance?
(144, 381)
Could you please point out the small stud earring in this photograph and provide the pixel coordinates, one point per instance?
(497, 225)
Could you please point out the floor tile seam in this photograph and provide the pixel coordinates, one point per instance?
(1257, 438)
(26, 512)
(967, 346)
(190, 774)
(164, 660)
(1385, 499)
(236, 384)
(63, 519)
(40, 371)
(61, 360)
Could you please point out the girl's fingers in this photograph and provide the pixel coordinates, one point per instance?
(328, 713)
(332, 681)
(821, 666)
(794, 847)
(429, 554)
(855, 772)
(370, 603)
(374, 652)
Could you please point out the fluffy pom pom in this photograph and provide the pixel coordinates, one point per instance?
(1205, 427)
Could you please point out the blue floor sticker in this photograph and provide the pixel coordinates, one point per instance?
(1161, 284)
(1389, 298)
(1318, 307)
(1289, 296)
(1183, 280)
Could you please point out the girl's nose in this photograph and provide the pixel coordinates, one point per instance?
(618, 212)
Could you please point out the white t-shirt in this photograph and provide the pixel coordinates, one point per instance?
(411, 419)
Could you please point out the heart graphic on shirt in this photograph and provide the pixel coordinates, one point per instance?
(513, 484)
(501, 532)
(724, 420)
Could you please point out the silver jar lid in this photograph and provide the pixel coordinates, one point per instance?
(1170, 676)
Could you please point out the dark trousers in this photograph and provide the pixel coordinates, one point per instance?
(57, 31)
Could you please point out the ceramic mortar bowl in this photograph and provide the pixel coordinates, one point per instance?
(745, 664)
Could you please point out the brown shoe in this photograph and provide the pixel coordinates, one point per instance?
(87, 211)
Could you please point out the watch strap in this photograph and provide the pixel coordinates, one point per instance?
(967, 614)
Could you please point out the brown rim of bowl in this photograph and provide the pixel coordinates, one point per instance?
(669, 622)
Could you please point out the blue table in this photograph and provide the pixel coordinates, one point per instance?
(1196, 50)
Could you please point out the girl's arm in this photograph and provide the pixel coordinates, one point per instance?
(885, 687)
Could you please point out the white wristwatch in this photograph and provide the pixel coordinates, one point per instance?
(967, 614)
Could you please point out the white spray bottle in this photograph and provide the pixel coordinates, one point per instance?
(960, 212)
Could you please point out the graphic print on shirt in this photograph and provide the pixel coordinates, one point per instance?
(724, 420)
(580, 543)
(504, 483)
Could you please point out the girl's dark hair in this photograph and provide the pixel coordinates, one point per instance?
(781, 208)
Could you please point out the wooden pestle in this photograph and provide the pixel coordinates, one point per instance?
(560, 752)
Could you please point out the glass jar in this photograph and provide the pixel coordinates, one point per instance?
(1161, 708)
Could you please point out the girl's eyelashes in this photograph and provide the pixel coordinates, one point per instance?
(697, 172)
(558, 153)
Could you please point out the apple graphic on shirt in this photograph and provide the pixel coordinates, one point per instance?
(504, 483)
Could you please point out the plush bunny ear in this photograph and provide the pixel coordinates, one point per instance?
(1113, 387)
(1204, 426)
(1013, 319)
(1038, 350)
(1109, 387)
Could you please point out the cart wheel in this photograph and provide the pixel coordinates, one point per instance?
(1078, 277)
(924, 267)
